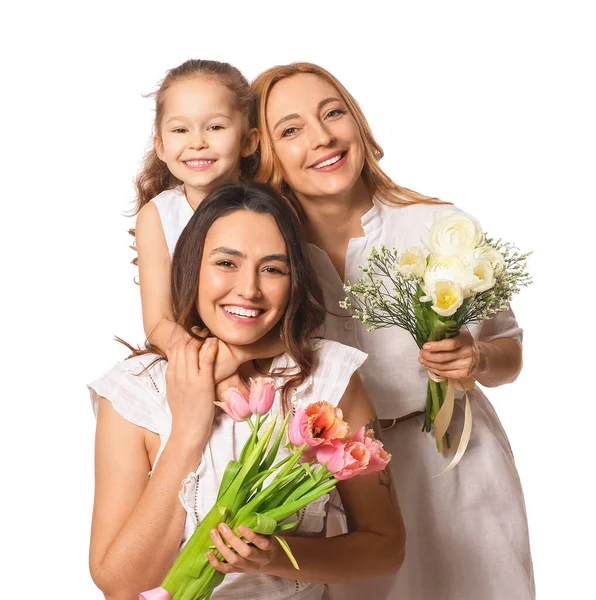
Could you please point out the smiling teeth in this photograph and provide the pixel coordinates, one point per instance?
(330, 161)
(242, 312)
(198, 163)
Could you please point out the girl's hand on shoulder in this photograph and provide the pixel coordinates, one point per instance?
(458, 357)
(255, 555)
(190, 389)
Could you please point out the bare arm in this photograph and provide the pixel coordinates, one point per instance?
(138, 522)
(154, 279)
(374, 545)
(499, 362)
(375, 542)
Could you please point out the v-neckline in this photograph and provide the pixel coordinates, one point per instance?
(371, 224)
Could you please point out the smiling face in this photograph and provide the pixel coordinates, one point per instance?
(244, 277)
(315, 137)
(201, 135)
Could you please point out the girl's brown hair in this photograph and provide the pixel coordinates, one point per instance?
(305, 312)
(270, 171)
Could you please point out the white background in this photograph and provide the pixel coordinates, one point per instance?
(486, 105)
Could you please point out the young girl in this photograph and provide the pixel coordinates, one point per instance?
(204, 136)
(241, 270)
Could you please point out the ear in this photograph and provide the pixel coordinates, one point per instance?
(250, 143)
(158, 147)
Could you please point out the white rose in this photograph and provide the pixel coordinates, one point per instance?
(454, 232)
(446, 297)
(444, 267)
(493, 256)
(480, 277)
(412, 261)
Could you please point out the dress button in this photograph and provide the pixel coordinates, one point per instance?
(349, 325)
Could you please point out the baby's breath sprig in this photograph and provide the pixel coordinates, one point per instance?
(384, 297)
(508, 282)
(387, 297)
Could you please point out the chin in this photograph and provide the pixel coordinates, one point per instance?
(238, 338)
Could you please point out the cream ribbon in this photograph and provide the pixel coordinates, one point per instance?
(445, 414)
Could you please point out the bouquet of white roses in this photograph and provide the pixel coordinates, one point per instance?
(460, 277)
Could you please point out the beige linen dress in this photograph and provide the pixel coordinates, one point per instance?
(467, 534)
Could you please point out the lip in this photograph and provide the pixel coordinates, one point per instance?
(199, 167)
(243, 320)
(332, 167)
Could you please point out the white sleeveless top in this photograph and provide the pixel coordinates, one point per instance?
(140, 397)
(175, 213)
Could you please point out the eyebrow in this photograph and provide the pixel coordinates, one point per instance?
(297, 116)
(182, 117)
(233, 252)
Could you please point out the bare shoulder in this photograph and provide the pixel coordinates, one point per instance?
(148, 219)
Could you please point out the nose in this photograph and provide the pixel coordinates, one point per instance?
(198, 141)
(320, 135)
(248, 285)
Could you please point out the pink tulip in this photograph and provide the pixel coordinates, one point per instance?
(317, 424)
(155, 594)
(331, 454)
(235, 404)
(295, 427)
(262, 395)
(345, 460)
(379, 457)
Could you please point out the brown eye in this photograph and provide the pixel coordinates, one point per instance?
(289, 131)
(274, 270)
(335, 112)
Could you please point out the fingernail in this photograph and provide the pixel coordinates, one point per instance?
(223, 528)
(214, 534)
(427, 346)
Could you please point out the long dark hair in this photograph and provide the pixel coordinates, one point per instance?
(305, 312)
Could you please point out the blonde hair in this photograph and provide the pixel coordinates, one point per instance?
(270, 171)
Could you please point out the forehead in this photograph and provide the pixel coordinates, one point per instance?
(253, 234)
(197, 96)
(297, 94)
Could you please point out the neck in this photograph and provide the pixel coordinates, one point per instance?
(196, 195)
(343, 210)
(254, 368)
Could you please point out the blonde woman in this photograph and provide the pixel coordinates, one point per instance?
(467, 530)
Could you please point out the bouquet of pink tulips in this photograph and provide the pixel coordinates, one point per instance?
(323, 453)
